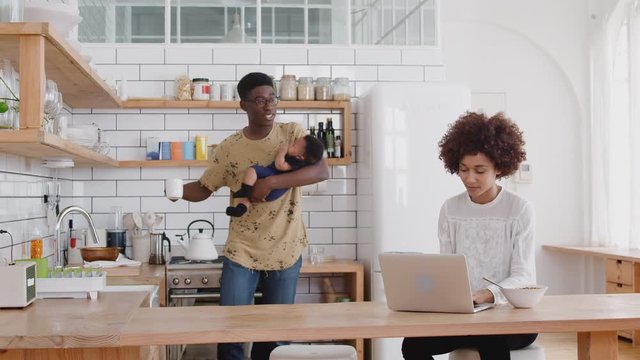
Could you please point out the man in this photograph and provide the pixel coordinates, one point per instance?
(265, 245)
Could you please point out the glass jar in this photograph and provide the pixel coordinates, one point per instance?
(323, 88)
(288, 91)
(200, 89)
(341, 89)
(305, 88)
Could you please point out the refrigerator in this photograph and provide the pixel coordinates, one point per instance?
(401, 183)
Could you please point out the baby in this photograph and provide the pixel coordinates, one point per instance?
(304, 151)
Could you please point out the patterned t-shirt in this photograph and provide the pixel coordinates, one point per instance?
(270, 235)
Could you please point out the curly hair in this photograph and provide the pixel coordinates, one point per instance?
(496, 137)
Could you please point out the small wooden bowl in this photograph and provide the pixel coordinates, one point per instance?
(99, 253)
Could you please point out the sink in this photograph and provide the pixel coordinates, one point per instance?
(153, 291)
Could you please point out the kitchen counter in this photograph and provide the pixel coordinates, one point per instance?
(50, 323)
(117, 326)
(147, 275)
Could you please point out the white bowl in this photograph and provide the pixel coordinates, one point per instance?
(59, 16)
(525, 297)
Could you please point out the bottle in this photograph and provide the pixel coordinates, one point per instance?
(312, 130)
(74, 256)
(322, 136)
(36, 245)
(201, 147)
(338, 147)
(330, 136)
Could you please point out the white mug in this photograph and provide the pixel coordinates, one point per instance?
(173, 189)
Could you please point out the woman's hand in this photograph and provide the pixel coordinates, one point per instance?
(483, 296)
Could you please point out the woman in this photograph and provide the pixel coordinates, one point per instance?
(490, 225)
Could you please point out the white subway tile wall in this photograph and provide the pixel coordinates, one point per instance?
(150, 70)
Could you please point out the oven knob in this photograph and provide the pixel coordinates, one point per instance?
(205, 281)
(187, 281)
(175, 281)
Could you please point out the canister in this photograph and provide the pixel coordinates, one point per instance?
(200, 89)
(323, 88)
(201, 147)
(288, 90)
(305, 89)
(176, 150)
(165, 150)
(341, 89)
(188, 150)
(153, 146)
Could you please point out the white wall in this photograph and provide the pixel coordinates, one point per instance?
(531, 59)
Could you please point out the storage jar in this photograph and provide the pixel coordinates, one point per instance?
(288, 91)
(200, 89)
(323, 88)
(341, 89)
(305, 88)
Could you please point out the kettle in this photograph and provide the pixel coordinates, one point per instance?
(200, 246)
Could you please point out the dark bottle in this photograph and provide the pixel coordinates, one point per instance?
(312, 131)
(330, 138)
(322, 136)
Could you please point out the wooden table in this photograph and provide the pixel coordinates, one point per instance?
(622, 273)
(117, 328)
(594, 317)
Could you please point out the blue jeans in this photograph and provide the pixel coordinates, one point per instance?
(237, 287)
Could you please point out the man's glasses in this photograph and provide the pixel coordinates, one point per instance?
(260, 101)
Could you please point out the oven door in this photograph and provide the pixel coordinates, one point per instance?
(197, 297)
(192, 297)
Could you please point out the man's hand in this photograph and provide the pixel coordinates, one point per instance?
(261, 189)
(483, 296)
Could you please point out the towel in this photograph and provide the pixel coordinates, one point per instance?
(120, 261)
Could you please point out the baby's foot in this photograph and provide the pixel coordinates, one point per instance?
(236, 211)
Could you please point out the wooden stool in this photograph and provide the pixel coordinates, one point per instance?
(314, 352)
(531, 352)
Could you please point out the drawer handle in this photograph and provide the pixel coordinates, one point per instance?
(619, 262)
(619, 285)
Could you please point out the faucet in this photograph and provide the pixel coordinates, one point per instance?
(63, 213)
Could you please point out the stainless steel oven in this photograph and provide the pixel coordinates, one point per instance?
(194, 283)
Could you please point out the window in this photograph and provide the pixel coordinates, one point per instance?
(366, 22)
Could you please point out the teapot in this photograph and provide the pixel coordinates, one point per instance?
(200, 246)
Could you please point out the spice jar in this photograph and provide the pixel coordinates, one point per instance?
(323, 88)
(341, 89)
(288, 91)
(200, 89)
(305, 88)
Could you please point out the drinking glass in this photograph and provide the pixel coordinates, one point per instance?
(316, 254)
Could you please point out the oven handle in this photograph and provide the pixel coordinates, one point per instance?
(204, 296)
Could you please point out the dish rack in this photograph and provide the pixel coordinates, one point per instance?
(77, 288)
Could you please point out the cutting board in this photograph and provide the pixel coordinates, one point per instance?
(122, 271)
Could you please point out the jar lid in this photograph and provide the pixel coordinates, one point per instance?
(200, 79)
(288, 77)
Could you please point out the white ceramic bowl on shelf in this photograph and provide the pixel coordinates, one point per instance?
(60, 16)
(525, 297)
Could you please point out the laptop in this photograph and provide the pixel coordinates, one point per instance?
(427, 282)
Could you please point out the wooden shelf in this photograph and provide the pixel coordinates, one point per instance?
(343, 106)
(39, 53)
(38, 144)
(162, 103)
(80, 85)
(161, 163)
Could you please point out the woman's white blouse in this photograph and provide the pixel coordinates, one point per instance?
(496, 238)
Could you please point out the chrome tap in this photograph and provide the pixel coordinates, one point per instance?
(63, 213)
